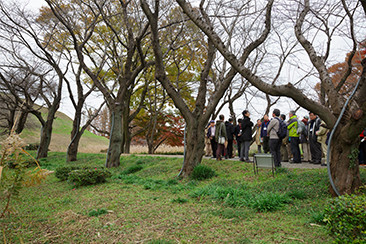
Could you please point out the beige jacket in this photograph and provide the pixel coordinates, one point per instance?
(322, 133)
(272, 128)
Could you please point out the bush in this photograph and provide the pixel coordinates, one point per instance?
(346, 218)
(83, 177)
(27, 163)
(62, 173)
(202, 172)
(32, 146)
(132, 169)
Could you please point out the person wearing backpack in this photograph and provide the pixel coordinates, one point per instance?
(315, 146)
(292, 127)
(274, 139)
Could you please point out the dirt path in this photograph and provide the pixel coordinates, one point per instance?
(304, 165)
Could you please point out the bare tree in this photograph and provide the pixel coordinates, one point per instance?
(307, 19)
(113, 61)
(22, 34)
(197, 118)
(17, 87)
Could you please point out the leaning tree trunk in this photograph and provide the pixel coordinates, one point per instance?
(72, 150)
(195, 144)
(45, 141)
(21, 123)
(115, 140)
(344, 164)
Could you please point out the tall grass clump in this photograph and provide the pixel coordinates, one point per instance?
(269, 201)
(228, 193)
(132, 169)
(16, 175)
(202, 172)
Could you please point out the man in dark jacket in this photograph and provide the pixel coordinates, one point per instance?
(246, 136)
(238, 132)
(264, 133)
(315, 146)
(230, 131)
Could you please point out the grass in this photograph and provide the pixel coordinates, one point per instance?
(152, 206)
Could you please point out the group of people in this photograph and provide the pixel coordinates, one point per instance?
(221, 135)
(278, 136)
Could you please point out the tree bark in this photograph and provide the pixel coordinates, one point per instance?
(195, 144)
(115, 144)
(125, 123)
(344, 167)
(45, 141)
(72, 149)
(21, 122)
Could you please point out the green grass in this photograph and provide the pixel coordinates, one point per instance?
(153, 206)
(60, 139)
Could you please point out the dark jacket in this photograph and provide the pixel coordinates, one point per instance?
(220, 130)
(238, 132)
(209, 134)
(264, 128)
(313, 127)
(246, 126)
(230, 130)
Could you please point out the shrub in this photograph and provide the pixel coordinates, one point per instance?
(62, 173)
(202, 172)
(32, 146)
(269, 201)
(22, 163)
(83, 177)
(132, 169)
(346, 218)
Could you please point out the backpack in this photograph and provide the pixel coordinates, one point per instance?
(301, 128)
(282, 129)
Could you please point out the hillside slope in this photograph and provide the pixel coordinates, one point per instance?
(62, 126)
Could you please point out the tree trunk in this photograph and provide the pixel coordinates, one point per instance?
(195, 144)
(72, 150)
(150, 146)
(45, 141)
(125, 126)
(115, 140)
(344, 165)
(21, 122)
